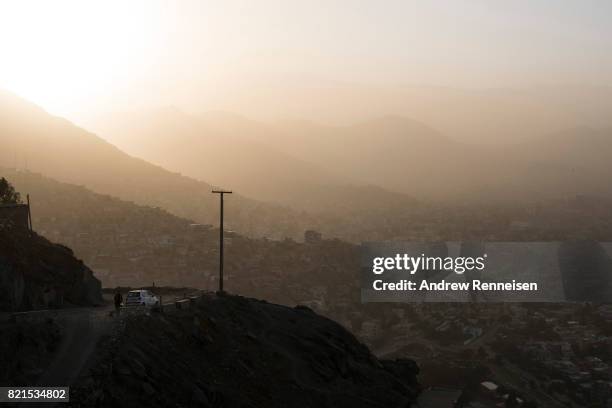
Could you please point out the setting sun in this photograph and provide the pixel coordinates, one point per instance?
(60, 54)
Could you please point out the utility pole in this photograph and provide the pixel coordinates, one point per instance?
(29, 212)
(221, 194)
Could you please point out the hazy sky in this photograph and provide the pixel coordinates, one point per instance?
(73, 57)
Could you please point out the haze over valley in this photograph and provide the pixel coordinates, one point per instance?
(189, 192)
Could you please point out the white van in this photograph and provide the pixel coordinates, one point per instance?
(141, 297)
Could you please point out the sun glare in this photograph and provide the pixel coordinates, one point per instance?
(59, 54)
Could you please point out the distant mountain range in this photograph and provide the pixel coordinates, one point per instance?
(299, 175)
(321, 167)
(233, 151)
(406, 156)
(56, 148)
(283, 187)
(491, 116)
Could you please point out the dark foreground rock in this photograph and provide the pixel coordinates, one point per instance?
(229, 351)
(26, 348)
(37, 274)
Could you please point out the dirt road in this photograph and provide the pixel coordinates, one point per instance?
(81, 331)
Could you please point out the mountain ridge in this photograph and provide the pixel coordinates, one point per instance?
(61, 150)
(231, 153)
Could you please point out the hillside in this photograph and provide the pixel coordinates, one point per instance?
(230, 150)
(233, 352)
(33, 139)
(130, 245)
(36, 274)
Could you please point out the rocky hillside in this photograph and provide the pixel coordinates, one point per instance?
(35, 274)
(231, 351)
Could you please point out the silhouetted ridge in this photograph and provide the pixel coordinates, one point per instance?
(230, 351)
